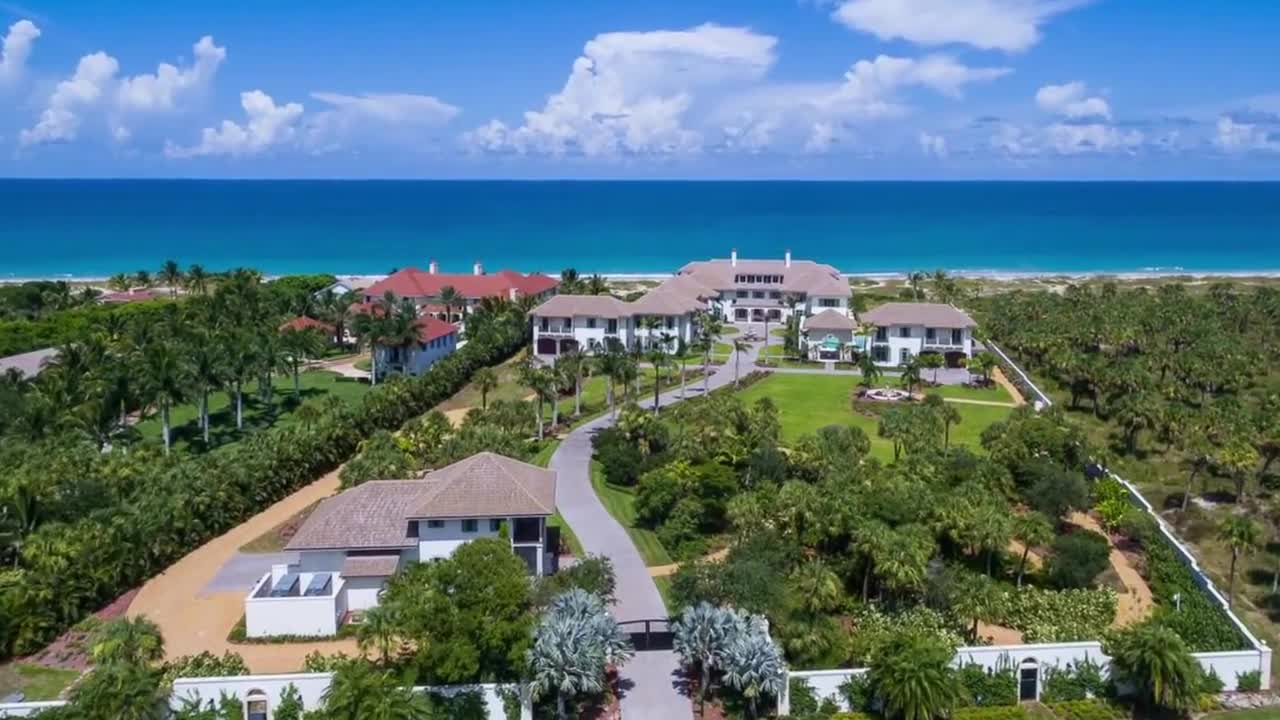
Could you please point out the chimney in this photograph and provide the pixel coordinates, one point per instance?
(477, 269)
(733, 257)
(786, 258)
(433, 267)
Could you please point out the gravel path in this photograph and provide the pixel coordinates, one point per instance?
(651, 676)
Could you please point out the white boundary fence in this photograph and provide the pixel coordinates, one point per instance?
(311, 687)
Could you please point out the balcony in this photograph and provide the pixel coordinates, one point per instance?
(556, 330)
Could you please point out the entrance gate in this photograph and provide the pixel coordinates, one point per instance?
(651, 634)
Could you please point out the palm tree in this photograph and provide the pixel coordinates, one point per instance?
(710, 328)
(134, 641)
(932, 361)
(910, 374)
(658, 359)
(988, 530)
(574, 364)
(540, 383)
(753, 665)
(983, 364)
(570, 282)
(597, 285)
(197, 280)
(164, 381)
(574, 644)
(609, 361)
(142, 278)
(700, 637)
(818, 588)
(1156, 662)
(868, 369)
(119, 282)
(740, 346)
(299, 345)
(207, 362)
(1032, 529)
(358, 691)
(946, 412)
(240, 359)
(486, 380)
(912, 675)
(371, 327)
(171, 275)
(977, 597)
(1243, 536)
(915, 279)
(378, 629)
(451, 298)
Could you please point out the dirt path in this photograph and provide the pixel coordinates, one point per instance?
(193, 621)
(998, 375)
(1136, 603)
(970, 401)
(665, 570)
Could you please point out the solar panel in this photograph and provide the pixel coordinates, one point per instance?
(287, 586)
(318, 586)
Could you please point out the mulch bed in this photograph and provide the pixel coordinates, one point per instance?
(69, 651)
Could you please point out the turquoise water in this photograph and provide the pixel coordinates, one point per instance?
(94, 228)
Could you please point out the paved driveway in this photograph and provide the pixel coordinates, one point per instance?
(651, 677)
(242, 570)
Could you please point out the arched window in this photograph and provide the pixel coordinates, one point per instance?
(1029, 680)
(255, 705)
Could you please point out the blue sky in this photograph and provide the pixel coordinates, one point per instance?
(661, 88)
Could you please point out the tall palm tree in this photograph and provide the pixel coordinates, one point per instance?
(171, 275)
(486, 380)
(574, 364)
(658, 358)
(300, 345)
(164, 380)
(868, 369)
(1243, 536)
(912, 675)
(700, 637)
(910, 374)
(142, 278)
(710, 329)
(597, 285)
(119, 282)
(946, 413)
(197, 280)
(335, 309)
(451, 298)
(206, 360)
(611, 362)
(378, 630)
(740, 346)
(570, 282)
(915, 279)
(1157, 663)
(1031, 529)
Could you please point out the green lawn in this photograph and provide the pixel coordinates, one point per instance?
(620, 502)
(995, 393)
(186, 434)
(595, 392)
(664, 589)
(34, 681)
(808, 402)
(1255, 714)
(509, 388)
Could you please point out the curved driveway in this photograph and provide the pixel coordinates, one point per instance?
(649, 680)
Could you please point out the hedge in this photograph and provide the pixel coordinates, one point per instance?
(169, 507)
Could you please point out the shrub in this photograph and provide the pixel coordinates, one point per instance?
(1006, 712)
(205, 664)
(1091, 709)
(1059, 615)
(593, 574)
(1059, 492)
(856, 691)
(1249, 681)
(804, 700)
(1078, 558)
(985, 687)
(1079, 680)
(620, 459)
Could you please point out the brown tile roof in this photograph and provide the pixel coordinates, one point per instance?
(908, 313)
(804, 276)
(488, 485)
(677, 296)
(605, 306)
(375, 515)
(414, 283)
(370, 565)
(829, 320)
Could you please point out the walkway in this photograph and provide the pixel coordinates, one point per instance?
(651, 676)
(197, 600)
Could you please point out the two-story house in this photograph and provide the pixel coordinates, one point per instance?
(436, 340)
(903, 330)
(663, 317)
(425, 288)
(353, 542)
(756, 290)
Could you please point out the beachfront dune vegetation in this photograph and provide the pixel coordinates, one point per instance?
(83, 521)
(1178, 391)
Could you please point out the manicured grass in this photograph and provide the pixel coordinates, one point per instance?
(620, 502)
(808, 402)
(277, 537)
(664, 589)
(509, 388)
(185, 428)
(595, 392)
(995, 393)
(35, 681)
(728, 330)
(1254, 714)
(363, 364)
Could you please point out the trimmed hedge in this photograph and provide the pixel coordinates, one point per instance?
(168, 507)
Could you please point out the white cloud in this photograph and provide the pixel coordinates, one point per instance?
(159, 91)
(822, 137)
(871, 84)
(1236, 137)
(95, 86)
(628, 93)
(268, 125)
(1072, 100)
(374, 118)
(1010, 25)
(933, 145)
(15, 49)
(1074, 139)
(60, 122)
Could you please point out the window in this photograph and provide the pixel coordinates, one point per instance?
(904, 332)
(829, 302)
(591, 323)
(757, 293)
(470, 526)
(882, 334)
(774, 294)
(435, 524)
(671, 322)
(546, 324)
(742, 293)
(256, 705)
(495, 525)
(413, 529)
(880, 353)
(611, 326)
(930, 335)
(904, 356)
(957, 336)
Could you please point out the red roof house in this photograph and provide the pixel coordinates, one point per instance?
(307, 323)
(426, 286)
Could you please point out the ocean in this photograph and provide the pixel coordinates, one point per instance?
(92, 228)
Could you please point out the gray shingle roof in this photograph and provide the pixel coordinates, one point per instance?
(370, 566)
(28, 364)
(376, 514)
(829, 320)
(804, 276)
(908, 313)
(605, 306)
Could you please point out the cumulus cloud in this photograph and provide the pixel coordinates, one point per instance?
(1074, 139)
(374, 118)
(1235, 136)
(159, 91)
(1072, 100)
(95, 87)
(15, 49)
(60, 121)
(628, 93)
(1009, 25)
(267, 125)
(933, 145)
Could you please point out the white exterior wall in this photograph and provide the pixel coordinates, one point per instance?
(916, 342)
(362, 592)
(27, 709)
(815, 306)
(434, 543)
(313, 561)
(576, 327)
(302, 616)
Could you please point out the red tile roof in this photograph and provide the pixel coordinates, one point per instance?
(430, 328)
(132, 296)
(306, 323)
(412, 282)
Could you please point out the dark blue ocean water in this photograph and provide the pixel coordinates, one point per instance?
(84, 228)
